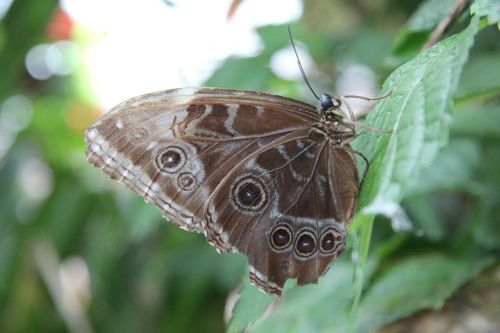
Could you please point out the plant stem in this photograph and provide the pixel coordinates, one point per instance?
(360, 248)
(438, 32)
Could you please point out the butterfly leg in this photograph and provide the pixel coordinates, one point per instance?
(368, 98)
(360, 154)
(343, 99)
(352, 122)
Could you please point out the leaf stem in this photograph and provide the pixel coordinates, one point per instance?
(438, 32)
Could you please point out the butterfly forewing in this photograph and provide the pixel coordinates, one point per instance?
(126, 142)
(252, 171)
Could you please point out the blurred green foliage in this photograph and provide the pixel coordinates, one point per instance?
(441, 164)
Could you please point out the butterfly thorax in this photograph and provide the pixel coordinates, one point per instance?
(337, 133)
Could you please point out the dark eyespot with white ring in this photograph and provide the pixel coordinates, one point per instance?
(305, 244)
(331, 241)
(171, 159)
(281, 237)
(249, 194)
(186, 181)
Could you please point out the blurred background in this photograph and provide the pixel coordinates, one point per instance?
(79, 253)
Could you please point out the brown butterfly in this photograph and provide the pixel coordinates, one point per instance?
(260, 174)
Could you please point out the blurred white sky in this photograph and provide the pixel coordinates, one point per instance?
(144, 46)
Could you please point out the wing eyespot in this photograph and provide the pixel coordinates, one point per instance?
(171, 159)
(137, 135)
(281, 238)
(186, 181)
(331, 241)
(305, 244)
(249, 194)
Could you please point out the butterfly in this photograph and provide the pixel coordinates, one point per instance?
(260, 174)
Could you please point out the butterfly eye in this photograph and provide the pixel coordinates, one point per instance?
(331, 240)
(171, 160)
(326, 101)
(305, 246)
(249, 194)
(281, 237)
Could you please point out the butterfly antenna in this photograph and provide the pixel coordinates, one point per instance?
(300, 65)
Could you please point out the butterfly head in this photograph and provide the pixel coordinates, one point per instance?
(327, 101)
(335, 121)
(330, 109)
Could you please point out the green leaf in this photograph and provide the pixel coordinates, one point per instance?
(414, 284)
(480, 121)
(313, 308)
(141, 219)
(484, 217)
(361, 236)
(250, 306)
(424, 218)
(480, 78)
(242, 73)
(417, 112)
(488, 8)
(454, 168)
(429, 14)
(252, 73)
(415, 32)
(417, 115)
